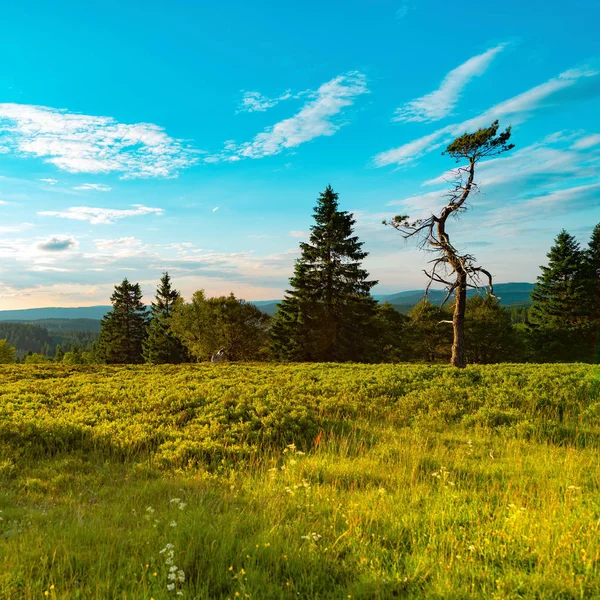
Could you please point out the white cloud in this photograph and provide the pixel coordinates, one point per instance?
(315, 119)
(15, 228)
(518, 108)
(57, 243)
(440, 103)
(114, 249)
(543, 206)
(98, 187)
(88, 144)
(257, 102)
(215, 209)
(299, 234)
(540, 162)
(422, 205)
(49, 181)
(101, 215)
(589, 141)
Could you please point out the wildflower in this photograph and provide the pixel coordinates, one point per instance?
(173, 523)
(170, 586)
(231, 567)
(52, 587)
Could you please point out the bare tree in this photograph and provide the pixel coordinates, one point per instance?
(449, 267)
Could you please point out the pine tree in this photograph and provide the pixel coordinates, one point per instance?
(491, 337)
(429, 339)
(123, 329)
(329, 313)
(592, 302)
(558, 311)
(7, 353)
(161, 346)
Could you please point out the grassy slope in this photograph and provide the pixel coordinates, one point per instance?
(404, 481)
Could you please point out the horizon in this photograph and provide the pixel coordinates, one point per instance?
(196, 140)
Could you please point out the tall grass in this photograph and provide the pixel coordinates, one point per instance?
(300, 481)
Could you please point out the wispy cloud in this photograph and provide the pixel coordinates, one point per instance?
(97, 216)
(89, 144)
(404, 9)
(589, 141)
(315, 119)
(49, 181)
(15, 228)
(215, 209)
(298, 234)
(517, 109)
(440, 103)
(98, 187)
(57, 243)
(257, 102)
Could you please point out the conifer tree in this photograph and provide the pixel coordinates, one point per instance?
(161, 346)
(329, 313)
(123, 329)
(559, 297)
(592, 303)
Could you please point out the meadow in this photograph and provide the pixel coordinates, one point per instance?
(299, 481)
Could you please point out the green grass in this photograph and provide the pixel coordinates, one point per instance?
(300, 481)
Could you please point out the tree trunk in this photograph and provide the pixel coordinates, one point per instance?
(458, 323)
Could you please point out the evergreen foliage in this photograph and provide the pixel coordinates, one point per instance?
(124, 327)
(206, 325)
(7, 353)
(558, 323)
(490, 337)
(430, 339)
(161, 345)
(329, 313)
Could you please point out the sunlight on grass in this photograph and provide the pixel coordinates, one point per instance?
(300, 481)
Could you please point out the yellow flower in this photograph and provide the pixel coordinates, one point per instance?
(52, 587)
(46, 593)
(154, 574)
(231, 567)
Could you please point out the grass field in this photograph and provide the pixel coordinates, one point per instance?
(300, 481)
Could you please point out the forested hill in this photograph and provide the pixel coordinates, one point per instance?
(63, 333)
(511, 295)
(55, 313)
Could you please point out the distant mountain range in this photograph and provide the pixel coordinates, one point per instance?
(35, 314)
(510, 294)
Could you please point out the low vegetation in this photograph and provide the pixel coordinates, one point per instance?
(299, 481)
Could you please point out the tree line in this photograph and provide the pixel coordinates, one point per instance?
(329, 313)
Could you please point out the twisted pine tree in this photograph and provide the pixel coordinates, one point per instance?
(124, 327)
(161, 346)
(329, 313)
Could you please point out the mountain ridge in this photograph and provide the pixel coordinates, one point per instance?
(510, 294)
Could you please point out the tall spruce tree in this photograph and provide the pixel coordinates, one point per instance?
(329, 313)
(123, 329)
(160, 345)
(559, 298)
(592, 304)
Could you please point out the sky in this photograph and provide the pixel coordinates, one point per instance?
(195, 137)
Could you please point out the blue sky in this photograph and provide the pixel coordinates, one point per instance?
(194, 137)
